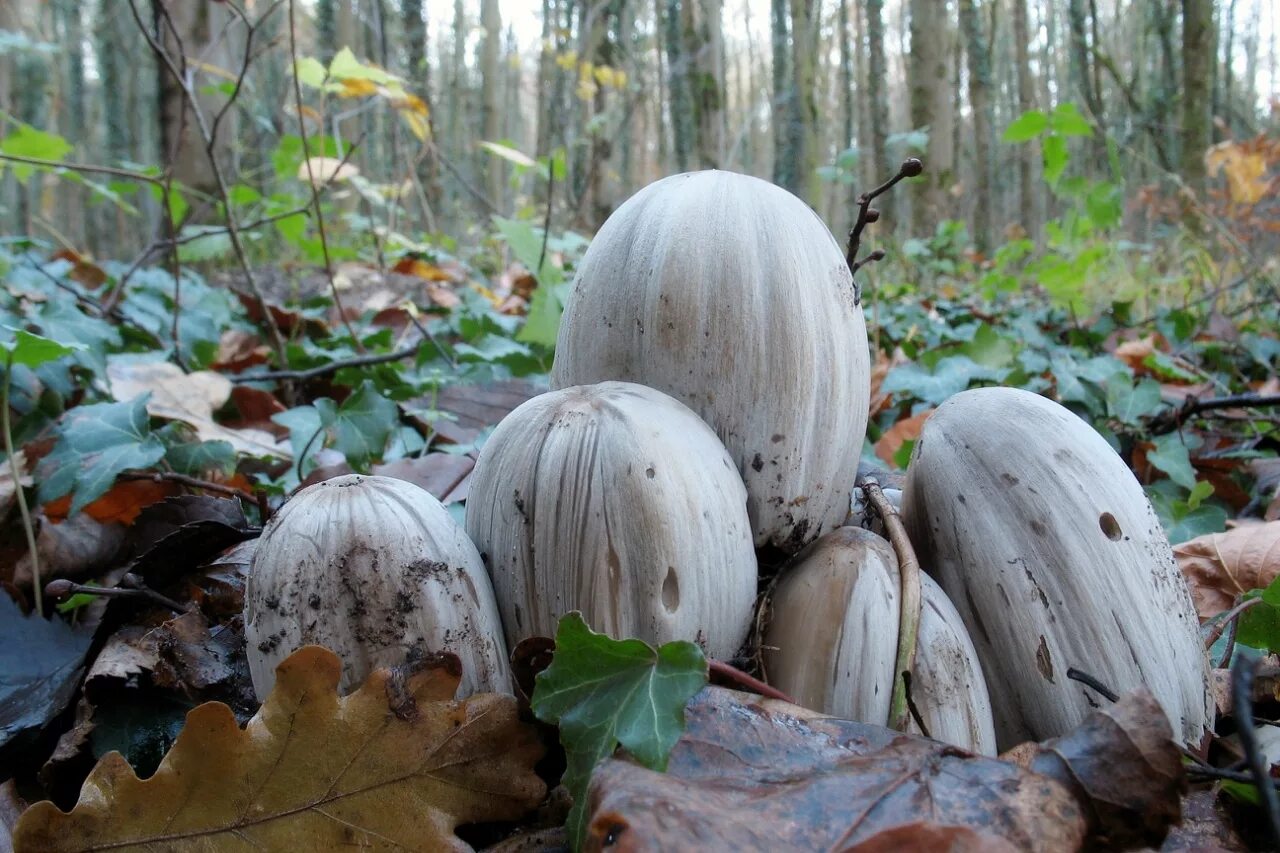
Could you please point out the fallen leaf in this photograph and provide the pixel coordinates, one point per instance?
(256, 408)
(1135, 353)
(11, 807)
(1266, 473)
(120, 504)
(176, 535)
(8, 491)
(1124, 769)
(218, 586)
(907, 429)
(422, 269)
(238, 350)
(204, 661)
(398, 763)
(1221, 566)
(880, 400)
(127, 654)
(445, 475)
(480, 406)
(40, 665)
(1205, 826)
(190, 398)
(754, 775)
(83, 270)
(77, 547)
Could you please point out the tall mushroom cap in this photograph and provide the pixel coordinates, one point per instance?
(731, 295)
(617, 501)
(375, 569)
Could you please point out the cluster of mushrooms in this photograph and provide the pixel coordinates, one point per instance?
(710, 398)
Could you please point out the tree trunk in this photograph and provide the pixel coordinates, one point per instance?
(879, 93)
(709, 76)
(979, 68)
(1027, 188)
(491, 98)
(784, 158)
(804, 115)
(1198, 51)
(679, 68)
(327, 29)
(929, 75)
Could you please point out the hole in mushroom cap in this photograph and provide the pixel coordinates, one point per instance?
(1110, 526)
(671, 590)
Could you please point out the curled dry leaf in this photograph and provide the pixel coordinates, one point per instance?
(1123, 767)
(756, 775)
(396, 764)
(907, 429)
(191, 398)
(1220, 566)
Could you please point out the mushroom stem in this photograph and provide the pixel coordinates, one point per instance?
(909, 602)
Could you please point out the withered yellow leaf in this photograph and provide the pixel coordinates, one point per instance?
(397, 765)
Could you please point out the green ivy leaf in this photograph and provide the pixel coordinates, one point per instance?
(95, 443)
(949, 376)
(33, 350)
(1025, 127)
(1171, 456)
(1129, 403)
(361, 425)
(603, 692)
(198, 458)
(1259, 626)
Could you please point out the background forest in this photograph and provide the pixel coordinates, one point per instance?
(247, 246)
(823, 97)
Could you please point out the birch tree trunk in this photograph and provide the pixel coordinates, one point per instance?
(929, 72)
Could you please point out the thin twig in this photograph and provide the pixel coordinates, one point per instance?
(426, 333)
(909, 169)
(210, 147)
(311, 182)
(909, 603)
(1093, 684)
(63, 588)
(87, 168)
(1171, 420)
(1228, 618)
(736, 676)
(1243, 672)
(193, 482)
(326, 369)
(546, 220)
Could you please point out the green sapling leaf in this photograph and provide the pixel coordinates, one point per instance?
(603, 693)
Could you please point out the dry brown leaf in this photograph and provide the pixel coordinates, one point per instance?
(879, 370)
(907, 429)
(120, 505)
(74, 548)
(1205, 826)
(1220, 566)
(8, 490)
(238, 350)
(1124, 768)
(752, 775)
(190, 398)
(397, 764)
(11, 806)
(1134, 353)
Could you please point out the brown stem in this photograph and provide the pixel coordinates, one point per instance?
(326, 369)
(63, 588)
(736, 676)
(909, 604)
(193, 482)
(1169, 421)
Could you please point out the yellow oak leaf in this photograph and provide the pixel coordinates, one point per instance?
(398, 764)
